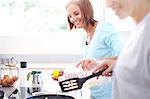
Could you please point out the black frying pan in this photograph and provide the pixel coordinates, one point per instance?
(51, 96)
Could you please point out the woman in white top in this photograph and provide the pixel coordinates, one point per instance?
(131, 75)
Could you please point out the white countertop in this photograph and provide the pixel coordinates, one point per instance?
(51, 86)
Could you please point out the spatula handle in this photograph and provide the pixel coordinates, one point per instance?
(95, 74)
(98, 73)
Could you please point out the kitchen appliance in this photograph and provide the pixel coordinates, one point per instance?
(34, 78)
(76, 83)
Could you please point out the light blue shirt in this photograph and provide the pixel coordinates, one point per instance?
(104, 43)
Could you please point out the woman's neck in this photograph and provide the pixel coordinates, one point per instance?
(90, 29)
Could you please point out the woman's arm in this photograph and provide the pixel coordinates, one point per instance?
(112, 38)
(108, 65)
(87, 64)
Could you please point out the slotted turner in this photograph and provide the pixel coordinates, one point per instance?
(76, 83)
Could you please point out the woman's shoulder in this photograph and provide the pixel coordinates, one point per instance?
(107, 26)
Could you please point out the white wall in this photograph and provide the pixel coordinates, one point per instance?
(56, 44)
(37, 48)
(62, 47)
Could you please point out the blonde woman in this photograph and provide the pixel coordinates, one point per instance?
(132, 70)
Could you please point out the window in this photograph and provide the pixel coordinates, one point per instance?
(32, 17)
(36, 27)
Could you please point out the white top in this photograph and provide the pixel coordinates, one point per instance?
(132, 71)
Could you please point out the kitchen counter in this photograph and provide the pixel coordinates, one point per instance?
(49, 86)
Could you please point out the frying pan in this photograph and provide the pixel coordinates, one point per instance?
(51, 96)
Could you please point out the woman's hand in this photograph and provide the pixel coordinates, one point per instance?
(106, 64)
(87, 64)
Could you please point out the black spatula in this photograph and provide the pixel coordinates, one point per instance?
(76, 83)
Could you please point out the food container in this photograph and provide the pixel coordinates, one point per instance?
(9, 73)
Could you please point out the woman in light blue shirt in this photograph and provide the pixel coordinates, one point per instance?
(100, 41)
(105, 43)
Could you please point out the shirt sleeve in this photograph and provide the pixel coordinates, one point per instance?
(112, 38)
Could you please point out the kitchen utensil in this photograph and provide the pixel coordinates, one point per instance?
(76, 83)
(51, 96)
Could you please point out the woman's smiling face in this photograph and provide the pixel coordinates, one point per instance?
(75, 15)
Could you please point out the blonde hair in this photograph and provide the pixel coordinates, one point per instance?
(86, 11)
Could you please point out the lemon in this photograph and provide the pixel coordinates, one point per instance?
(55, 73)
